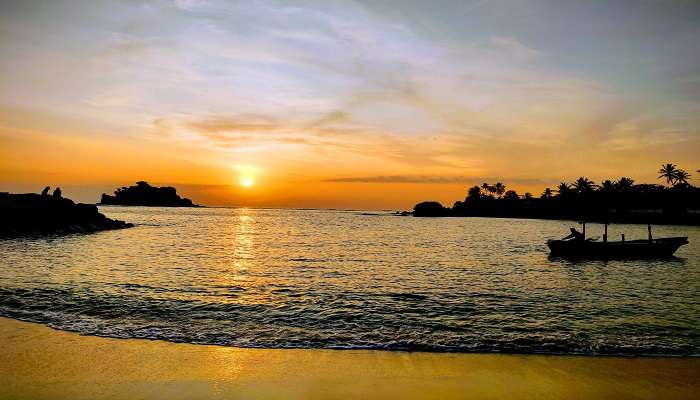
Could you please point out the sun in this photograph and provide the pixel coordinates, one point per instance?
(247, 175)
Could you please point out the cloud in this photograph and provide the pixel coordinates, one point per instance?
(251, 70)
(322, 139)
(223, 124)
(439, 180)
(515, 48)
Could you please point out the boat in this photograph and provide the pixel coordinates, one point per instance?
(631, 249)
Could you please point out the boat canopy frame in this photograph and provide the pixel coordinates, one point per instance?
(583, 223)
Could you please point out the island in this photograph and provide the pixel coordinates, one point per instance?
(620, 201)
(31, 214)
(143, 194)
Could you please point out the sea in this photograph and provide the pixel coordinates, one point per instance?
(340, 279)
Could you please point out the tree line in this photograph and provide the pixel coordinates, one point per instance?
(621, 200)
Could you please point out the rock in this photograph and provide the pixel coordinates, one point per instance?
(144, 194)
(33, 214)
(430, 209)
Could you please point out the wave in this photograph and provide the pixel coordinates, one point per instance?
(343, 328)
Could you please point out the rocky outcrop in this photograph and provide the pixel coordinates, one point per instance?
(34, 214)
(430, 209)
(144, 194)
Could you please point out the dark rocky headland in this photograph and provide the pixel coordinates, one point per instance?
(143, 194)
(34, 214)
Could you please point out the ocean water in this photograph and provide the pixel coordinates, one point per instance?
(346, 280)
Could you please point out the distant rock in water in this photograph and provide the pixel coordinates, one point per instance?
(144, 194)
(34, 214)
(430, 209)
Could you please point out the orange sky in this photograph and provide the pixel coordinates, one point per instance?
(297, 175)
(344, 105)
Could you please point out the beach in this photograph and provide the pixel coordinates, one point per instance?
(37, 362)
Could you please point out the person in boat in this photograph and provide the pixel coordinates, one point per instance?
(574, 235)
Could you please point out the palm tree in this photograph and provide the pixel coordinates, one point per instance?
(681, 177)
(488, 188)
(668, 171)
(607, 186)
(527, 196)
(564, 189)
(499, 188)
(583, 185)
(624, 184)
(547, 194)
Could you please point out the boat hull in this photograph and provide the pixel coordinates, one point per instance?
(634, 249)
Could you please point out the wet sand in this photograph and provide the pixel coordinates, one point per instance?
(37, 362)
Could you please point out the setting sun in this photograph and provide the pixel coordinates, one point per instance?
(247, 182)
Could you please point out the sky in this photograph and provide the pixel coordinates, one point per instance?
(344, 104)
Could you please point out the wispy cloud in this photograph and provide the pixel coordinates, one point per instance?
(439, 180)
(515, 48)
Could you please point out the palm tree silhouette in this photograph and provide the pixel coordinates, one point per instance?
(583, 185)
(668, 171)
(564, 189)
(607, 186)
(681, 177)
(624, 184)
(499, 188)
(488, 188)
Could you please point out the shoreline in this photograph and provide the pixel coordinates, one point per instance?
(38, 362)
(351, 349)
(591, 220)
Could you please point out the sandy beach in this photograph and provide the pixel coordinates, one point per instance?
(37, 362)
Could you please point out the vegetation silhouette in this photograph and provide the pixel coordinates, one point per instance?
(143, 194)
(621, 200)
(673, 175)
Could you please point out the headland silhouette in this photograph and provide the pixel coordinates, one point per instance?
(29, 214)
(143, 194)
(621, 200)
